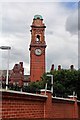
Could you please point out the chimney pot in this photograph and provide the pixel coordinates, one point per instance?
(72, 67)
(59, 67)
(21, 63)
(52, 67)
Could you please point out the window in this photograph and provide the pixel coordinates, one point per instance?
(15, 83)
(25, 84)
(37, 38)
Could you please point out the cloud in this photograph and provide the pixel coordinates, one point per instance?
(60, 33)
(63, 50)
(72, 22)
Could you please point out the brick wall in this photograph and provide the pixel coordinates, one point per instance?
(64, 108)
(26, 105)
(79, 109)
(16, 105)
(0, 105)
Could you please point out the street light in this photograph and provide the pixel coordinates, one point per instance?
(49, 75)
(6, 48)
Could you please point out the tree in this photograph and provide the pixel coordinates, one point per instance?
(78, 85)
(65, 83)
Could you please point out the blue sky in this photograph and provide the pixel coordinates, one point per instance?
(69, 5)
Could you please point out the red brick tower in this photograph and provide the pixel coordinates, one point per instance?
(37, 48)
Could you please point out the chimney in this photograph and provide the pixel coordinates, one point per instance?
(72, 67)
(59, 67)
(52, 67)
(16, 65)
(21, 63)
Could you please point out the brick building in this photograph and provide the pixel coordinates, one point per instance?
(16, 76)
(37, 48)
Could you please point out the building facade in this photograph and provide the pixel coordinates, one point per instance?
(16, 76)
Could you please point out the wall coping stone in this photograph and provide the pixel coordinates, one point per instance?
(78, 101)
(23, 93)
(64, 99)
(72, 96)
(43, 90)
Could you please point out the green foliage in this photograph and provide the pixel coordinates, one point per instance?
(65, 82)
(34, 87)
(14, 87)
(78, 85)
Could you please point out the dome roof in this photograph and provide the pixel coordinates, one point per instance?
(38, 17)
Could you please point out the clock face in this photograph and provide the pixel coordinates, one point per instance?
(38, 51)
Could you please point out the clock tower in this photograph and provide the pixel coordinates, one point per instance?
(37, 49)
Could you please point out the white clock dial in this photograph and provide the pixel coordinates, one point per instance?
(38, 51)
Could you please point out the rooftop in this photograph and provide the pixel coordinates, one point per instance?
(38, 17)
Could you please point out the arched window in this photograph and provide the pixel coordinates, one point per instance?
(37, 38)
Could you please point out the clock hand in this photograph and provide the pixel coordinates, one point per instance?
(38, 51)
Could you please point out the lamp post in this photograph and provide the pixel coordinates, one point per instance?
(49, 75)
(6, 48)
